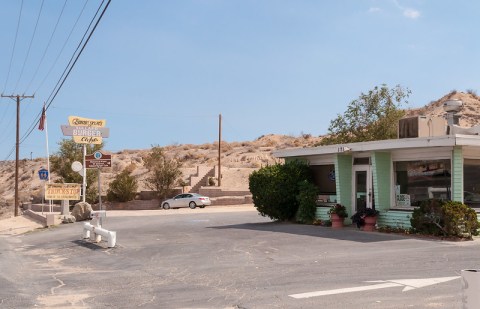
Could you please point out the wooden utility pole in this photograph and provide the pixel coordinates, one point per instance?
(18, 98)
(219, 149)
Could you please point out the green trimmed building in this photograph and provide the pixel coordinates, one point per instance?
(394, 176)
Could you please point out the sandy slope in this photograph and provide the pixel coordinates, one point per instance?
(239, 159)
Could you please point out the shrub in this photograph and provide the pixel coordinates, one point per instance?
(306, 202)
(358, 218)
(339, 210)
(447, 218)
(275, 188)
(123, 188)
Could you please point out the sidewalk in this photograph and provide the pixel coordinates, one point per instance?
(18, 225)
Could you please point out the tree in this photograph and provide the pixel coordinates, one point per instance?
(164, 172)
(61, 163)
(372, 116)
(123, 188)
(275, 189)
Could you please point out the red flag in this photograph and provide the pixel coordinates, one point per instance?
(41, 123)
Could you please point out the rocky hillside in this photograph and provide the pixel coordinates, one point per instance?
(470, 114)
(239, 159)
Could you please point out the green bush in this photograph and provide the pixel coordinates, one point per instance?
(275, 188)
(123, 188)
(306, 202)
(447, 218)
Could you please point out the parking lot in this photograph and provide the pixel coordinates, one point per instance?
(229, 257)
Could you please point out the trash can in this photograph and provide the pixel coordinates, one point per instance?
(470, 288)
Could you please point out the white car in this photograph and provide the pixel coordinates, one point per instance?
(191, 200)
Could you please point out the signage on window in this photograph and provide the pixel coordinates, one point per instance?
(403, 200)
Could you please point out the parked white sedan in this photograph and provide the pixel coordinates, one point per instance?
(191, 200)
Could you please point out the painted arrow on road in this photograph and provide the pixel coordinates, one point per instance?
(408, 284)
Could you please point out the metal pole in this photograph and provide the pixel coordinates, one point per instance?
(84, 183)
(219, 149)
(99, 194)
(43, 195)
(17, 152)
(17, 144)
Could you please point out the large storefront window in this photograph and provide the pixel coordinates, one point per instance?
(417, 181)
(324, 179)
(471, 183)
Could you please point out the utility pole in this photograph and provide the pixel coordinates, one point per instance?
(219, 149)
(18, 98)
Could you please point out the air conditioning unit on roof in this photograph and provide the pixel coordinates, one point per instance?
(421, 126)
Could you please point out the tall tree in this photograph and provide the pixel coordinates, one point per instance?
(164, 173)
(61, 163)
(372, 116)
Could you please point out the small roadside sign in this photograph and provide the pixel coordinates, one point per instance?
(62, 191)
(98, 160)
(43, 174)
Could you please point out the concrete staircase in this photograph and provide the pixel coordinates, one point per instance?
(201, 177)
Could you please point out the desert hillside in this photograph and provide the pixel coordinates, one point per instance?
(239, 159)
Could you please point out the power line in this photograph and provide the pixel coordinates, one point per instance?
(13, 50)
(29, 47)
(64, 77)
(49, 42)
(59, 53)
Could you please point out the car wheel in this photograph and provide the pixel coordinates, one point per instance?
(166, 206)
(192, 205)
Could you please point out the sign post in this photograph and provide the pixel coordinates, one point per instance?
(85, 131)
(43, 175)
(98, 160)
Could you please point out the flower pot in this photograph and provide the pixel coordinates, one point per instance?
(337, 221)
(369, 224)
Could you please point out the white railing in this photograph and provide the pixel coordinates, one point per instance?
(94, 230)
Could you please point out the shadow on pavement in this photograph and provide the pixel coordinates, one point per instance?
(91, 245)
(346, 233)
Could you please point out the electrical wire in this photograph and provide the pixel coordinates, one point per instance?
(65, 76)
(13, 50)
(59, 53)
(29, 47)
(11, 60)
(49, 42)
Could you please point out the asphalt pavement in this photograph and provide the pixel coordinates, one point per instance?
(229, 257)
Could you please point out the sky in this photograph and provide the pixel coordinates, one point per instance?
(160, 72)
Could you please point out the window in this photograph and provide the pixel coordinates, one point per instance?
(324, 179)
(417, 181)
(471, 183)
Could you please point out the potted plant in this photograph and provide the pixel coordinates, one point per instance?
(366, 218)
(338, 213)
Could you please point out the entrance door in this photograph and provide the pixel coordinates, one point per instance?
(362, 188)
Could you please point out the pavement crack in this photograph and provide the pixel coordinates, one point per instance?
(147, 302)
(62, 284)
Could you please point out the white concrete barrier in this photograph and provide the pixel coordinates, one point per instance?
(95, 231)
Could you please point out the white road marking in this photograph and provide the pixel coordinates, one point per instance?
(408, 284)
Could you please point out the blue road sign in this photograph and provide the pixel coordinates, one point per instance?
(43, 174)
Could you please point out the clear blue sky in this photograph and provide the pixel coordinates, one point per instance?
(160, 72)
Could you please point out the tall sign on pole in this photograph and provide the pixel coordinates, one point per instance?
(85, 131)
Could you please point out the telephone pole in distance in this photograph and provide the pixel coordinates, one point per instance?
(18, 98)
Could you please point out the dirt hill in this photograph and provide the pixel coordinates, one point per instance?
(239, 159)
